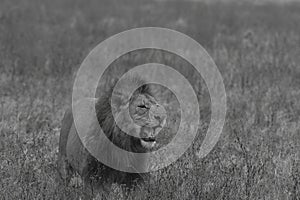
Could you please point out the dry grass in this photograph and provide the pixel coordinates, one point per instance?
(255, 48)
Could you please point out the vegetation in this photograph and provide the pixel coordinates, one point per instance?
(255, 47)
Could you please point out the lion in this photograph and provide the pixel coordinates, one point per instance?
(149, 118)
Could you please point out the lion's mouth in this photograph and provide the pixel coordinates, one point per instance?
(148, 142)
(148, 139)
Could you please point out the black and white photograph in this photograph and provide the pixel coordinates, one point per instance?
(150, 99)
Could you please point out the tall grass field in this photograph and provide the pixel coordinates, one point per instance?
(255, 46)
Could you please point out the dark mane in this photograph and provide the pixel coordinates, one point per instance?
(106, 119)
(117, 136)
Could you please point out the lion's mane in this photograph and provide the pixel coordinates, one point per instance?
(99, 171)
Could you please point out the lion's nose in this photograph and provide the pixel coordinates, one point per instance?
(158, 118)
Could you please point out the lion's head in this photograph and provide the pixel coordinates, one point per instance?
(140, 116)
(147, 113)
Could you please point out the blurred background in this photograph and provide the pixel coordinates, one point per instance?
(255, 45)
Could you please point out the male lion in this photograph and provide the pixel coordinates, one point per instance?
(149, 118)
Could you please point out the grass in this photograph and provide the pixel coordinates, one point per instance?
(255, 47)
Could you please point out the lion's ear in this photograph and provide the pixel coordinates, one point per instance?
(125, 105)
(119, 99)
(119, 106)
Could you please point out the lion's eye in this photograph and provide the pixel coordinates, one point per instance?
(142, 106)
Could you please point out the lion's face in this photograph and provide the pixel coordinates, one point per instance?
(137, 114)
(149, 115)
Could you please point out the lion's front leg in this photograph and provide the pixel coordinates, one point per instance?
(64, 170)
(96, 189)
